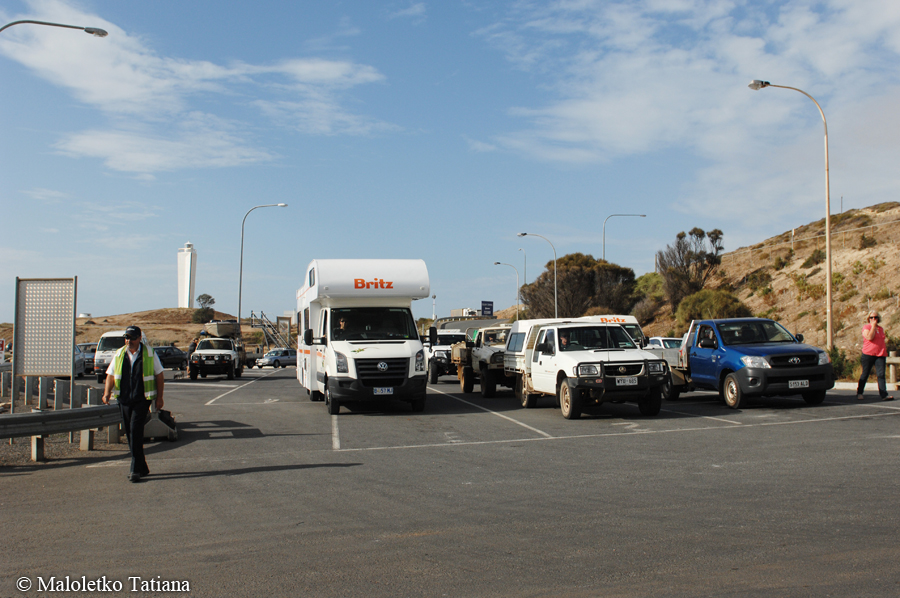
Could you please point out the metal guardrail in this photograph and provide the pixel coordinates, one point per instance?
(43, 423)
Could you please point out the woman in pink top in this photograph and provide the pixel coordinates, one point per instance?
(874, 353)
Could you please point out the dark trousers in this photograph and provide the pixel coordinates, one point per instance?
(134, 417)
(867, 362)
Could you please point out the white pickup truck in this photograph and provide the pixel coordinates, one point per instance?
(480, 359)
(582, 363)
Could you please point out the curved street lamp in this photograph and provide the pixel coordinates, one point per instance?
(555, 299)
(241, 269)
(756, 84)
(524, 266)
(95, 31)
(604, 228)
(517, 284)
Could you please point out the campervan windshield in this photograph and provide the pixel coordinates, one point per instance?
(372, 323)
(110, 343)
(587, 338)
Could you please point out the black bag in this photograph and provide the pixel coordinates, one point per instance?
(166, 418)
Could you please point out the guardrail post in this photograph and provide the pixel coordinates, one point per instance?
(114, 434)
(4, 384)
(76, 396)
(87, 440)
(37, 448)
(43, 391)
(60, 394)
(29, 388)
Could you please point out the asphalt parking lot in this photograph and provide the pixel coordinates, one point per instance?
(264, 492)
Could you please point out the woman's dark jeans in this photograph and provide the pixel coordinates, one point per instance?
(867, 362)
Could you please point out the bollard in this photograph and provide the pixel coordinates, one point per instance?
(29, 388)
(5, 390)
(43, 391)
(892, 369)
(93, 396)
(87, 440)
(60, 393)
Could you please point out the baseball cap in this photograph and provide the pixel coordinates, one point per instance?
(132, 332)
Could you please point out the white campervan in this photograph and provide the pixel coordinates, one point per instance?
(358, 339)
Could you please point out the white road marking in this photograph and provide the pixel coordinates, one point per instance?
(526, 426)
(335, 434)
(718, 419)
(238, 388)
(189, 385)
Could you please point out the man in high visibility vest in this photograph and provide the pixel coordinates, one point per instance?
(135, 377)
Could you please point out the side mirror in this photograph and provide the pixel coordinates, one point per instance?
(545, 348)
(799, 338)
(708, 343)
(307, 337)
(432, 336)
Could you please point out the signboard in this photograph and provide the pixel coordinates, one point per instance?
(487, 308)
(2, 350)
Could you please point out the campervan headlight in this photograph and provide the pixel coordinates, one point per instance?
(340, 363)
(588, 369)
(420, 361)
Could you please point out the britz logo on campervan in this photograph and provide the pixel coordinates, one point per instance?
(378, 283)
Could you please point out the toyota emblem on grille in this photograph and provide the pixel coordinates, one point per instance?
(382, 366)
(622, 369)
(794, 360)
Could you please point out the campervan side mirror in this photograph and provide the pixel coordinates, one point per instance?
(307, 337)
(432, 336)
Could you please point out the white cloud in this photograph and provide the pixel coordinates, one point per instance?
(130, 82)
(414, 11)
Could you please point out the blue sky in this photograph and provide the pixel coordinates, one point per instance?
(433, 130)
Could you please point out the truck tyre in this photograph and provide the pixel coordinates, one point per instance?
(814, 397)
(334, 407)
(488, 383)
(239, 372)
(467, 382)
(418, 405)
(569, 400)
(669, 392)
(193, 373)
(230, 374)
(731, 391)
(316, 396)
(528, 401)
(433, 373)
(652, 403)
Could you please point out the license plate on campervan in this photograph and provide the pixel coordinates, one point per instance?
(383, 391)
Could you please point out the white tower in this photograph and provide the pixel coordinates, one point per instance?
(187, 274)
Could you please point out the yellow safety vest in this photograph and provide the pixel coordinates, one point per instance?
(149, 376)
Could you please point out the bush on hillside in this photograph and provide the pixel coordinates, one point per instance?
(710, 303)
(203, 315)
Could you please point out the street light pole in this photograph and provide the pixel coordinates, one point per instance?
(524, 266)
(756, 84)
(555, 296)
(95, 31)
(517, 284)
(241, 268)
(604, 228)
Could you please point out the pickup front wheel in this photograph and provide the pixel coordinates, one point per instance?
(652, 403)
(734, 396)
(467, 380)
(569, 400)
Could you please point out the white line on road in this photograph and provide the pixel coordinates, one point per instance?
(238, 388)
(515, 421)
(718, 419)
(189, 385)
(335, 434)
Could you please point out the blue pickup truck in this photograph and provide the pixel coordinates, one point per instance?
(747, 357)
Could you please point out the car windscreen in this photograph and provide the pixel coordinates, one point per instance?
(451, 339)
(672, 343)
(214, 344)
(372, 323)
(753, 332)
(495, 338)
(111, 343)
(594, 337)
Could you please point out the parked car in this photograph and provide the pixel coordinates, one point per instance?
(278, 358)
(662, 342)
(88, 349)
(172, 357)
(79, 362)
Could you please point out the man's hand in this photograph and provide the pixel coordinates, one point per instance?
(159, 402)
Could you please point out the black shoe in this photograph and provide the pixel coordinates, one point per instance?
(134, 477)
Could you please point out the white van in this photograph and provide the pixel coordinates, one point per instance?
(358, 339)
(109, 343)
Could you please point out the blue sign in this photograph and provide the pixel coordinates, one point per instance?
(487, 308)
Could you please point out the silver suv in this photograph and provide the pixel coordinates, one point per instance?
(278, 358)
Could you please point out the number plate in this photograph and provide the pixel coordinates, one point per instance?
(631, 381)
(383, 391)
(207, 360)
(798, 383)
